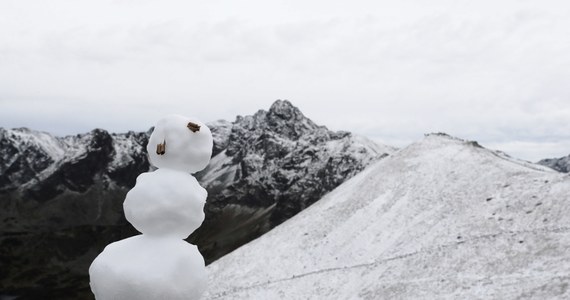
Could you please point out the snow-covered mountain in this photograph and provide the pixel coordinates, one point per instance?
(56, 182)
(270, 166)
(441, 219)
(61, 197)
(561, 164)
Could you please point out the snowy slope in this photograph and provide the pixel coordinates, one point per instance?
(440, 219)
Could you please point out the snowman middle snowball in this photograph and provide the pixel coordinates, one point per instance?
(166, 203)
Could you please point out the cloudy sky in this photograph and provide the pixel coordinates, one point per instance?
(493, 71)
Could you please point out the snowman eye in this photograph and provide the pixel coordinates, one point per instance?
(161, 148)
(193, 127)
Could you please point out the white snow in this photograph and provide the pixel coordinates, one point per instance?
(166, 202)
(124, 145)
(144, 267)
(48, 143)
(166, 206)
(440, 219)
(55, 148)
(185, 150)
(215, 171)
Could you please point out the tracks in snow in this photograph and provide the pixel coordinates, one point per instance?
(393, 258)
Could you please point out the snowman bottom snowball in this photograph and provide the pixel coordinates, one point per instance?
(148, 268)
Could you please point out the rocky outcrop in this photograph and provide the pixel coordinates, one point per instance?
(561, 164)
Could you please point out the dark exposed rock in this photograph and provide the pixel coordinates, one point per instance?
(132, 163)
(76, 175)
(559, 164)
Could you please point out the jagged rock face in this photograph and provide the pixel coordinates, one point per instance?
(45, 166)
(271, 166)
(559, 164)
(45, 178)
(56, 191)
(76, 175)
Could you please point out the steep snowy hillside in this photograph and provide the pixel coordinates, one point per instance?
(440, 219)
(561, 164)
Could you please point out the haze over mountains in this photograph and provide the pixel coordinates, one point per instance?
(61, 197)
(441, 219)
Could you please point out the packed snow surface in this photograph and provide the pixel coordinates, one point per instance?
(440, 219)
(166, 202)
(148, 268)
(166, 206)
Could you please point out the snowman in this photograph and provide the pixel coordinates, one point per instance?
(166, 206)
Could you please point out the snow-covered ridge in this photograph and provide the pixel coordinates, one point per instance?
(440, 137)
(440, 219)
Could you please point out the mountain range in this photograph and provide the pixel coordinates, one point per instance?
(61, 197)
(443, 218)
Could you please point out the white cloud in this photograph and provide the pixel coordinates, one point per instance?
(486, 70)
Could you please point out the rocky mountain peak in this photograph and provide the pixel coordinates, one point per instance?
(276, 163)
(101, 140)
(284, 118)
(285, 110)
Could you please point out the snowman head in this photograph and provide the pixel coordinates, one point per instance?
(180, 143)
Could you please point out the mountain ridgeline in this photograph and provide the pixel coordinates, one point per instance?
(61, 197)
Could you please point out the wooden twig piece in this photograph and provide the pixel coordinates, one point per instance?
(193, 127)
(161, 148)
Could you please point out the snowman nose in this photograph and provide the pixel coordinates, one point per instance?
(161, 148)
(193, 127)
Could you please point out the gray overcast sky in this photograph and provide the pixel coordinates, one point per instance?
(493, 71)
